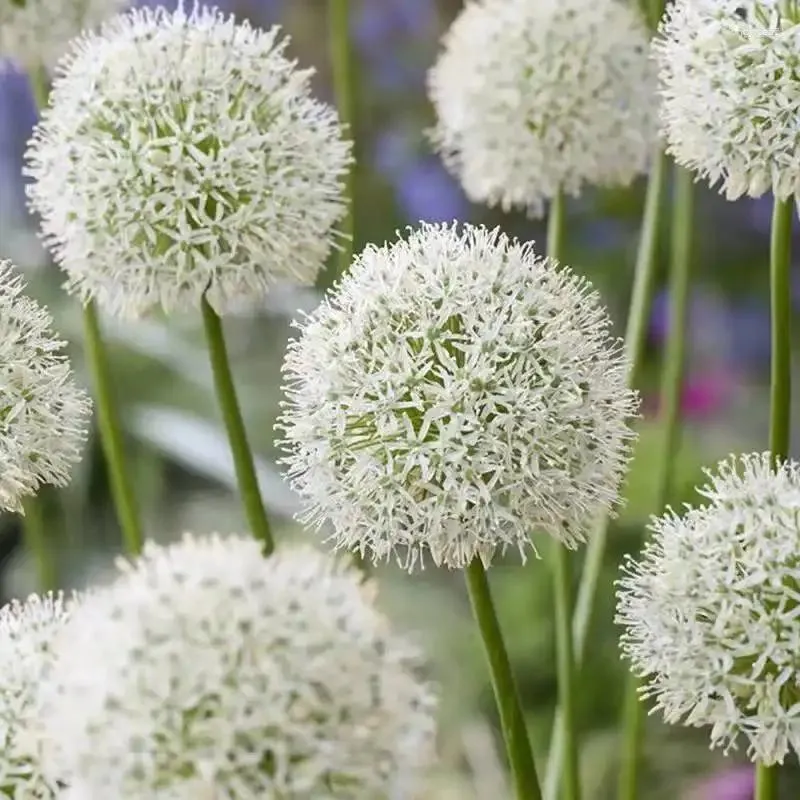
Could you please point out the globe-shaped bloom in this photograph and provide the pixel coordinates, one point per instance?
(539, 97)
(455, 394)
(728, 74)
(27, 633)
(711, 610)
(183, 154)
(43, 414)
(208, 671)
(36, 33)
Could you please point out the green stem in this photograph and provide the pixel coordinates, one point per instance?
(36, 538)
(781, 386)
(111, 432)
(562, 586)
(234, 425)
(339, 20)
(766, 782)
(671, 389)
(634, 347)
(512, 719)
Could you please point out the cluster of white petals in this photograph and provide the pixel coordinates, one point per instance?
(728, 71)
(34, 34)
(182, 153)
(209, 671)
(43, 414)
(27, 633)
(539, 97)
(454, 394)
(712, 609)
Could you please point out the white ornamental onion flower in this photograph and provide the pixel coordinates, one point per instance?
(43, 414)
(182, 152)
(453, 395)
(209, 671)
(537, 97)
(728, 73)
(35, 33)
(711, 610)
(27, 633)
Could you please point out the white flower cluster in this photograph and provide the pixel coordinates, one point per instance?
(43, 414)
(453, 395)
(27, 633)
(35, 33)
(728, 73)
(209, 671)
(183, 154)
(712, 609)
(535, 98)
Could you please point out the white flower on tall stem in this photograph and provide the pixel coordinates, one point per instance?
(208, 670)
(183, 155)
(43, 414)
(36, 33)
(453, 395)
(538, 97)
(728, 73)
(711, 610)
(27, 633)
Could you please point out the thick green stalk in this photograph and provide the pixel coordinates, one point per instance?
(512, 719)
(781, 385)
(234, 425)
(634, 347)
(339, 21)
(671, 389)
(562, 588)
(36, 538)
(111, 432)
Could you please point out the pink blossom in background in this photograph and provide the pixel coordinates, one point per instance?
(737, 783)
(704, 394)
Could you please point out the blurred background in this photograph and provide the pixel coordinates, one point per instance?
(185, 478)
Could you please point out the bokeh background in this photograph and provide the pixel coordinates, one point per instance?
(185, 478)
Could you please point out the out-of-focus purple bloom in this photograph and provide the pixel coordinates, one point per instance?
(427, 193)
(750, 333)
(380, 23)
(707, 393)
(392, 152)
(738, 783)
(708, 323)
(605, 234)
(760, 214)
(17, 117)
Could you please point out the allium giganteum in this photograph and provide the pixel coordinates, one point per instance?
(43, 413)
(183, 154)
(537, 98)
(711, 610)
(208, 671)
(453, 395)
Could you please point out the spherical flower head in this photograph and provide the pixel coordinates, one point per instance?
(35, 33)
(27, 633)
(537, 98)
(43, 414)
(208, 671)
(455, 394)
(729, 107)
(712, 609)
(182, 154)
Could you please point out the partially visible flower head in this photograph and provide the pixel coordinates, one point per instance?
(182, 153)
(207, 670)
(43, 414)
(728, 74)
(35, 33)
(27, 633)
(711, 611)
(453, 395)
(534, 98)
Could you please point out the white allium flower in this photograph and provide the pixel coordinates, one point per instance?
(534, 97)
(712, 609)
(182, 152)
(27, 633)
(209, 671)
(728, 73)
(43, 414)
(455, 394)
(36, 33)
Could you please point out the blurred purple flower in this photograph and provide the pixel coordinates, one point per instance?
(707, 393)
(737, 783)
(605, 233)
(381, 22)
(760, 213)
(427, 193)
